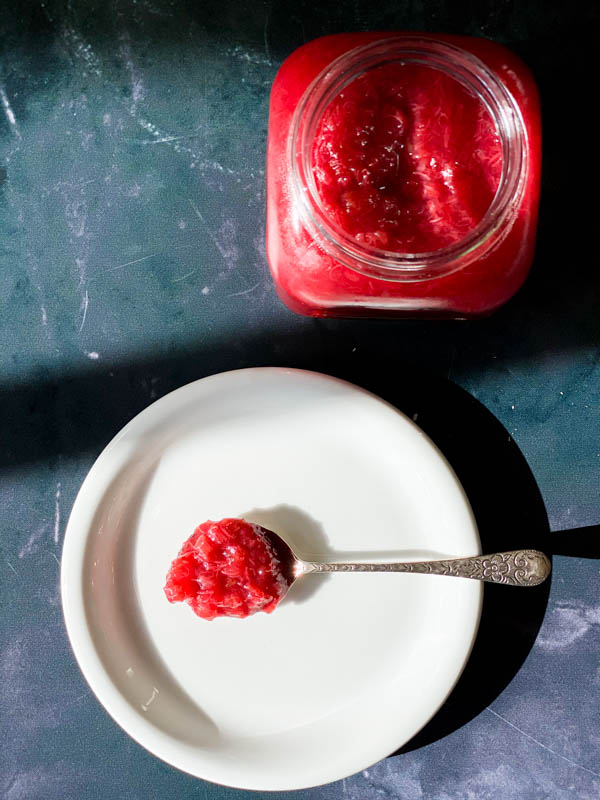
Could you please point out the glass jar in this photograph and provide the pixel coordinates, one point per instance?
(322, 270)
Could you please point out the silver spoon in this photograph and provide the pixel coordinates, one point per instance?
(511, 568)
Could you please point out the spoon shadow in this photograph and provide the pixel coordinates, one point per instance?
(376, 556)
(576, 543)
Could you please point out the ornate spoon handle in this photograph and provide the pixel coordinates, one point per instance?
(514, 568)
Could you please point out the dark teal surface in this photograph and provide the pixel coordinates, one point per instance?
(132, 142)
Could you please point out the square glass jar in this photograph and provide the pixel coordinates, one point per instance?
(320, 270)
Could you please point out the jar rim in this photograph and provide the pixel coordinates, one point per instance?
(478, 79)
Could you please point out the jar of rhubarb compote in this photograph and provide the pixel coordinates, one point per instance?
(403, 176)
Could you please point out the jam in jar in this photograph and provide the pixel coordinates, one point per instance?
(402, 176)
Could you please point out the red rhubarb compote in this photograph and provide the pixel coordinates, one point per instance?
(227, 569)
(405, 159)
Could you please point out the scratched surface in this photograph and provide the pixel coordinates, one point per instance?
(132, 140)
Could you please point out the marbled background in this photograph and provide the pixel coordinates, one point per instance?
(132, 141)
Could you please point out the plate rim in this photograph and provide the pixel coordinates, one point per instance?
(82, 645)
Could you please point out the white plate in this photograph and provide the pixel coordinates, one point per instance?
(350, 666)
